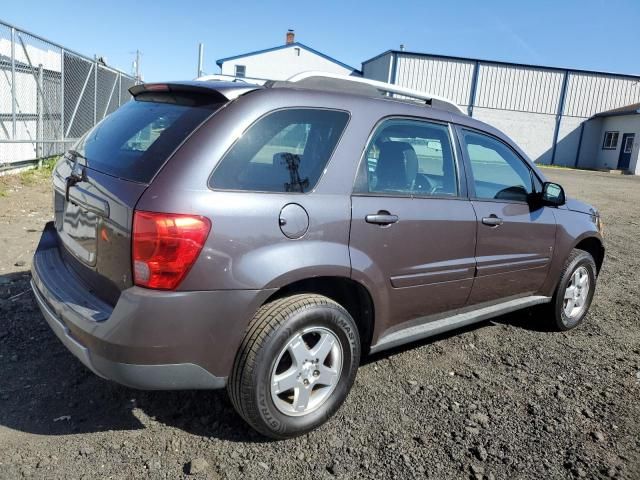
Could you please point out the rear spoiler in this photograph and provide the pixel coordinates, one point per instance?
(220, 91)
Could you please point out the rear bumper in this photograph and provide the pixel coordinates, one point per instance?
(150, 340)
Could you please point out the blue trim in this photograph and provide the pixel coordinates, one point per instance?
(474, 88)
(288, 45)
(575, 164)
(556, 131)
(616, 114)
(500, 62)
(394, 68)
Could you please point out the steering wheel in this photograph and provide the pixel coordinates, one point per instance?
(423, 184)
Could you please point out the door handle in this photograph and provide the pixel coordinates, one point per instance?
(381, 218)
(492, 220)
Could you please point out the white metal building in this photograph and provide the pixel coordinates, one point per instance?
(610, 140)
(281, 62)
(542, 108)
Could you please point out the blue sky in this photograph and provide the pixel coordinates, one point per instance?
(587, 34)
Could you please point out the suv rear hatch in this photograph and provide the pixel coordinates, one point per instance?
(97, 185)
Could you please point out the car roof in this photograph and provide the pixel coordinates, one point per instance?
(352, 97)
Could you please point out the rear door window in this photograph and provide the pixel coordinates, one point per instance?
(410, 158)
(135, 141)
(285, 151)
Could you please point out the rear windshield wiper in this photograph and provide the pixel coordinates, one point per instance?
(77, 154)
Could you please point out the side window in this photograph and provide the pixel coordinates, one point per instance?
(610, 141)
(284, 151)
(240, 71)
(410, 157)
(498, 173)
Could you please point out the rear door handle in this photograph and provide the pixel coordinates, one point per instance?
(492, 220)
(381, 218)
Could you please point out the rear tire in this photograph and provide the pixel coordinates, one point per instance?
(573, 296)
(295, 366)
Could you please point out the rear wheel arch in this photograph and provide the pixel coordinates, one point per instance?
(350, 294)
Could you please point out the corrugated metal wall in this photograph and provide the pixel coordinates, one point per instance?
(524, 101)
(450, 79)
(518, 89)
(588, 93)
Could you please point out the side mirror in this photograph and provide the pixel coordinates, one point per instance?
(553, 194)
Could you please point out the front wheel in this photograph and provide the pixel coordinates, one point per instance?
(573, 296)
(295, 366)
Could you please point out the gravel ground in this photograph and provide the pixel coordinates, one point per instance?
(505, 399)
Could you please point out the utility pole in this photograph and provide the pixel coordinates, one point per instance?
(136, 65)
(200, 59)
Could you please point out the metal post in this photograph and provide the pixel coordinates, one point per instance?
(113, 89)
(575, 164)
(13, 83)
(556, 132)
(62, 94)
(137, 66)
(474, 89)
(200, 59)
(95, 92)
(39, 124)
(393, 73)
(119, 89)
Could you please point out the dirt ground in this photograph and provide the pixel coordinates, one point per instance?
(504, 399)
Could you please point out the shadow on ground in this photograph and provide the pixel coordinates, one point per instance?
(45, 390)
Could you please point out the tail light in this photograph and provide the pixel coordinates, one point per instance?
(165, 247)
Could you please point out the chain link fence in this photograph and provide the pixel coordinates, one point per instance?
(50, 96)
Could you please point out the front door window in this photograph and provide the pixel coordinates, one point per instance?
(498, 174)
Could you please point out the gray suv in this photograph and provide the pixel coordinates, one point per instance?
(264, 238)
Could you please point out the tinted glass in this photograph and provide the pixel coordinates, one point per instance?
(498, 173)
(410, 157)
(285, 151)
(135, 141)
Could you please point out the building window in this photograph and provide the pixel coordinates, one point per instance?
(241, 71)
(610, 140)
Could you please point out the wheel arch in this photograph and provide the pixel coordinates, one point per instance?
(594, 246)
(352, 295)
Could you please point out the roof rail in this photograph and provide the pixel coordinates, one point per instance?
(309, 77)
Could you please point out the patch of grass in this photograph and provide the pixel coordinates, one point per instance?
(557, 167)
(31, 176)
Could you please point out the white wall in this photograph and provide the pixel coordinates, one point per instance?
(623, 124)
(533, 132)
(379, 69)
(283, 63)
(568, 141)
(49, 57)
(591, 144)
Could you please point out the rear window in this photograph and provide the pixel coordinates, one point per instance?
(135, 141)
(285, 151)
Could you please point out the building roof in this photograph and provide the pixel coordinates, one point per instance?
(500, 62)
(287, 45)
(633, 109)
